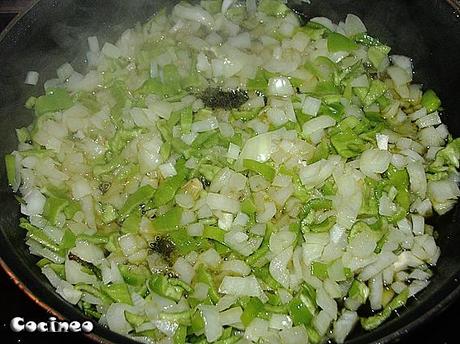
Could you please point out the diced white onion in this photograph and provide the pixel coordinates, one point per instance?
(280, 86)
(310, 106)
(318, 123)
(32, 78)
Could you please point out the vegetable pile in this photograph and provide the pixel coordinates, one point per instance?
(225, 174)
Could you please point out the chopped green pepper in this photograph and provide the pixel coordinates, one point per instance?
(56, 99)
(169, 221)
(430, 101)
(263, 169)
(159, 284)
(375, 320)
(141, 196)
(338, 42)
(10, 162)
(118, 292)
(53, 207)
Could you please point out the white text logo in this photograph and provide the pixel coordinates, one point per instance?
(18, 324)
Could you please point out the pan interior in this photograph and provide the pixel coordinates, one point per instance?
(54, 32)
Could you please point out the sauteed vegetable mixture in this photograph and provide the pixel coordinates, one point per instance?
(228, 173)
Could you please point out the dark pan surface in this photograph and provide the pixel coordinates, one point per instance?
(55, 31)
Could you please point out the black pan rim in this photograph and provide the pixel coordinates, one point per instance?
(403, 331)
(455, 4)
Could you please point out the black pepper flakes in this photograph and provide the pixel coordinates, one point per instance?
(217, 98)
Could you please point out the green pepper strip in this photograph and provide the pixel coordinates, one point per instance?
(205, 277)
(141, 196)
(181, 318)
(118, 292)
(161, 285)
(53, 207)
(169, 221)
(10, 162)
(180, 335)
(37, 235)
(135, 320)
(250, 310)
(359, 291)
(264, 170)
(56, 100)
(430, 101)
(375, 320)
(133, 275)
(338, 42)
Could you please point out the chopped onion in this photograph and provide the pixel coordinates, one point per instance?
(93, 44)
(402, 62)
(111, 50)
(224, 203)
(280, 86)
(374, 161)
(294, 335)
(399, 76)
(194, 13)
(354, 25)
(310, 106)
(382, 141)
(34, 203)
(428, 120)
(318, 123)
(233, 151)
(279, 267)
(115, 317)
(241, 286)
(256, 329)
(231, 316)
(205, 125)
(32, 78)
(280, 322)
(418, 183)
(235, 266)
(257, 148)
(167, 170)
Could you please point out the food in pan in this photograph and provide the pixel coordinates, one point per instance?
(229, 173)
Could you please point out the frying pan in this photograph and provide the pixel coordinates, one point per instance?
(52, 32)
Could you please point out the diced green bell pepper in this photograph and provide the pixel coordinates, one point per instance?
(168, 189)
(118, 292)
(10, 162)
(319, 270)
(57, 99)
(377, 53)
(430, 101)
(180, 335)
(273, 8)
(203, 276)
(169, 221)
(299, 312)
(159, 284)
(133, 275)
(375, 320)
(53, 207)
(338, 42)
(250, 310)
(263, 169)
(141, 196)
(186, 119)
(135, 320)
(131, 223)
(366, 40)
(359, 291)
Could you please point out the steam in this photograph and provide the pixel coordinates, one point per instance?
(105, 19)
